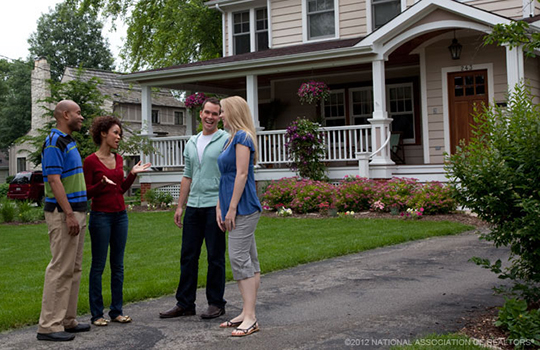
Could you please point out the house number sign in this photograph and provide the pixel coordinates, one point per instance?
(466, 67)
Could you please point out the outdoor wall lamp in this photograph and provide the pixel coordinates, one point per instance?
(455, 48)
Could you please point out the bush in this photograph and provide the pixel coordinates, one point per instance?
(305, 144)
(522, 324)
(496, 176)
(8, 210)
(158, 199)
(435, 198)
(355, 194)
(4, 188)
(280, 193)
(32, 215)
(309, 194)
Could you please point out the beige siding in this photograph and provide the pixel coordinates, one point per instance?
(286, 17)
(507, 8)
(437, 58)
(352, 18)
(532, 77)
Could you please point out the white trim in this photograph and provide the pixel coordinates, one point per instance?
(424, 106)
(390, 46)
(515, 68)
(369, 13)
(351, 109)
(446, 104)
(528, 8)
(230, 33)
(146, 110)
(252, 27)
(305, 38)
(344, 116)
(410, 85)
(269, 11)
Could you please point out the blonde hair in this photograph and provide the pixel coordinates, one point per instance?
(239, 118)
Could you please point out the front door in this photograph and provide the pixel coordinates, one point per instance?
(466, 89)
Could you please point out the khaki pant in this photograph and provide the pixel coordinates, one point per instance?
(63, 274)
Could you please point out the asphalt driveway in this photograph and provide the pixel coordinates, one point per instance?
(367, 300)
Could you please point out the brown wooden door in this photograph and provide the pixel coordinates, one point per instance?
(465, 89)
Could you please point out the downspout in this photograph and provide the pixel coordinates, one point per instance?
(222, 28)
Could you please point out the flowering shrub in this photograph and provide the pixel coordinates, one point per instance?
(313, 91)
(346, 214)
(305, 144)
(413, 213)
(284, 211)
(360, 194)
(195, 100)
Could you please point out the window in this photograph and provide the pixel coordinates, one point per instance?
(334, 109)
(21, 164)
(178, 118)
(361, 105)
(241, 38)
(320, 19)
(155, 116)
(384, 11)
(261, 29)
(401, 109)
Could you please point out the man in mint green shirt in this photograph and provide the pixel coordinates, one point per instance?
(200, 188)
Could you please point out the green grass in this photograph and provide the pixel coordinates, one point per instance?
(152, 258)
(442, 342)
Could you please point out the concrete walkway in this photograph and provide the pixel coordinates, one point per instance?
(366, 300)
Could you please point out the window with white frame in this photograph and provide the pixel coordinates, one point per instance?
(383, 11)
(401, 109)
(241, 34)
(261, 29)
(361, 105)
(155, 116)
(178, 117)
(21, 164)
(320, 19)
(334, 108)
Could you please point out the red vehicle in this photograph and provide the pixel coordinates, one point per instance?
(27, 185)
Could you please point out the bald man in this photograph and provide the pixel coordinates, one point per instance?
(65, 214)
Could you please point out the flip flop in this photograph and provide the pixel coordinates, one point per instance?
(122, 319)
(245, 332)
(230, 324)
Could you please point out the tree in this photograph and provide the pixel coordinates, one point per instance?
(496, 176)
(67, 37)
(163, 32)
(15, 100)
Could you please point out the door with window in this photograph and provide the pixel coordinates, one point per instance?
(466, 90)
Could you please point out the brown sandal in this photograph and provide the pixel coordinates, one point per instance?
(100, 322)
(122, 319)
(245, 332)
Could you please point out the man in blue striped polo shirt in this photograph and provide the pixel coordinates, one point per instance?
(65, 214)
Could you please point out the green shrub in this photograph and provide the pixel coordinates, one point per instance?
(305, 144)
(496, 176)
(9, 178)
(435, 198)
(32, 215)
(309, 194)
(4, 188)
(356, 194)
(158, 199)
(280, 193)
(522, 324)
(24, 206)
(8, 210)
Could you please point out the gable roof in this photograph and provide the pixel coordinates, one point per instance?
(120, 91)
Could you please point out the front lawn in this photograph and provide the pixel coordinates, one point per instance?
(152, 262)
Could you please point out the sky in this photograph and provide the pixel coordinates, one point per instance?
(18, 19)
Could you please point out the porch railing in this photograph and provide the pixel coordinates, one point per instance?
(341, 143)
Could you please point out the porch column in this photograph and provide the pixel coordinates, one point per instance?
(252, 96)
(515, 70)
(380, 123)
(189, 117)
(146, 111)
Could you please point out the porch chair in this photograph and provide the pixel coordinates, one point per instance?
(397, 152)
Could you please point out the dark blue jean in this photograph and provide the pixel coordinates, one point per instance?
(107, 229)
(200, 224)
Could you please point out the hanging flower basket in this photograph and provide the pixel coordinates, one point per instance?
(195, 100)
(313, 92)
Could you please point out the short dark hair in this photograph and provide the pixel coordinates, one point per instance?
(212, 100)
(103, 124)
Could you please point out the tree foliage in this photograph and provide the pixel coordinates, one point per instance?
(163, 32)
(15, 100)
(496, 176)
(67, 37)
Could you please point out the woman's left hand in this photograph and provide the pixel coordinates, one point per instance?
(230, 219)
(138, 168)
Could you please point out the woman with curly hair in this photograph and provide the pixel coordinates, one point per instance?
(238, 210)
(108, 225)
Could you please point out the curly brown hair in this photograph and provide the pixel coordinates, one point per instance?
(103, 124)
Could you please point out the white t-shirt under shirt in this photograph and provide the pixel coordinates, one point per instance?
(202, 142)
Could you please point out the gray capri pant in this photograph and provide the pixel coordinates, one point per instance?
(242, 247)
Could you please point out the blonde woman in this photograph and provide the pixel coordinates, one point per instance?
(238, 210)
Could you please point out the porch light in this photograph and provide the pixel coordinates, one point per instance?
(455, 48)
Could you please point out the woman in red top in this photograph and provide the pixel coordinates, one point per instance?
(105, 186)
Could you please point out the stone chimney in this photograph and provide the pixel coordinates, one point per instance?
(40, 90)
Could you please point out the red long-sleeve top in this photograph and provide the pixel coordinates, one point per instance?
(105, 197)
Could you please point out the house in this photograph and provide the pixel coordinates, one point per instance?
(122, 99)
(4, 168)
(388, 64)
